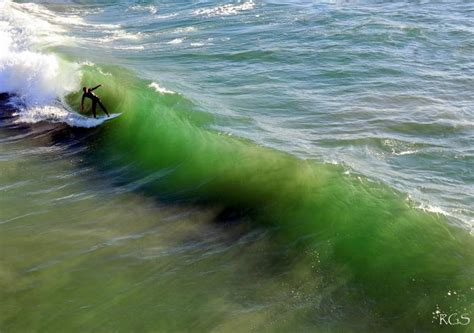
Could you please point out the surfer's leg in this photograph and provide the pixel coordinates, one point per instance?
(103, 108)
(94, 106)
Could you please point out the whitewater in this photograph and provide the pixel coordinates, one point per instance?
(277, 166)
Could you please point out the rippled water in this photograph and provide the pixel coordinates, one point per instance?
(213, 203)
(385, 89)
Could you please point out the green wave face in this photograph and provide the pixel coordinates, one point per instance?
(374, 248)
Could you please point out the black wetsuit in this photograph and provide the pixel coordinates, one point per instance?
(95, 100)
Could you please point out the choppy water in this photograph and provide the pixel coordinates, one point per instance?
(278, 166)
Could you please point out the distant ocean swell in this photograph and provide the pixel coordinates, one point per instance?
(405, 262)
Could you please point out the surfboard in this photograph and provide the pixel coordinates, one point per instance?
(112, 116)
(78, 120)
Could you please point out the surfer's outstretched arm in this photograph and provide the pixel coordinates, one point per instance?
(96, 87)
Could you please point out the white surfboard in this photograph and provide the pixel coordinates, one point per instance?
(112, 116)
(78, 120)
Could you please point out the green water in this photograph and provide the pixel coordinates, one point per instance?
(142, 225)
(212, 208)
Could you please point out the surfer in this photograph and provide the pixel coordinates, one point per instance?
(88, 92)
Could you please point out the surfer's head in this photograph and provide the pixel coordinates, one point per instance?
(85, 89)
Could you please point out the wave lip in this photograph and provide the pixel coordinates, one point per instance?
(39, 82)
(38, 79)
(160, 89)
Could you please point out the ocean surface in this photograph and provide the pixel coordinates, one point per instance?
(278, 166)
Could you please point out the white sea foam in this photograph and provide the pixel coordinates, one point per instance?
(129, 47)
(407, 152)
(140, 8)
(36, 78)
(38, 81)
(160, 89)
(224, 10)
(433, 209)
(184, 30)
(175, 41)
(119, 34)
(39, 15)
(166, 16)
(26, 28)
(87, 63)
(56, 112)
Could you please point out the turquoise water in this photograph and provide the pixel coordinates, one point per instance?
(277, 166)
